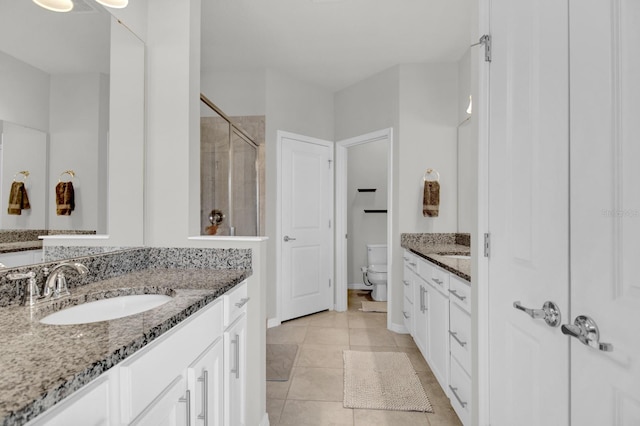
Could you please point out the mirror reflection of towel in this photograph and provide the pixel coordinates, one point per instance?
(431, 201)
(18, 199)
(65, 199)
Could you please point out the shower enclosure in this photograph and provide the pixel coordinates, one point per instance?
(229, 182)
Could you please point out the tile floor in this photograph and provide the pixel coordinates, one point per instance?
(313, 395)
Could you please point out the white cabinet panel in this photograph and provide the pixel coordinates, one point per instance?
(235, 338)
(170, 408)
(460, 392)
(438, 334)
(460, 332)
(205, 380)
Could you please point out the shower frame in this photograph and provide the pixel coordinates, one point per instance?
(244, 136)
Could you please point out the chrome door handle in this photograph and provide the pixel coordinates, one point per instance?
(205, 397)
(455, 393)
(550, 312)
(455, 336)
(586, 330)
(187, 400)
(405, 282)
(405, 314)
(242, 302)
(288, 238)
(455, 293)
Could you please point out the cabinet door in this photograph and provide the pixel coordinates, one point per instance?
(420, 306)
(205, 380)
(170, 408)
(438, 334)
(235, 339)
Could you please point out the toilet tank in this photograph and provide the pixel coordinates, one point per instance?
(376, 254)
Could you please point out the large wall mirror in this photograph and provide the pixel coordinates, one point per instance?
(57, 97)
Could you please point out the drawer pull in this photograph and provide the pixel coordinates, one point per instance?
(414, 264)
(405, 282)
(187, 400)
(437, 281)
(236, 343)
(455, 293)
(464, 404)
(405, 315)
(205, 397)
(242, 302)
(455, 336)
(405, 258)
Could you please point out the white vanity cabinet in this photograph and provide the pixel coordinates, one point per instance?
(441, 326)
(235, 359)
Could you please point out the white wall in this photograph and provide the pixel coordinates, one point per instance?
(467, 150)
(78, 127)
(238, 93)
(296, 107)
(25, 94)
(366, 168)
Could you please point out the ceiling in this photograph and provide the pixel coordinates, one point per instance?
(331, 43)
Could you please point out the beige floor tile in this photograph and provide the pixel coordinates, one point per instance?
(327, 356)
(367, 320)
(279, 390)
(371, 337)
(286, 334)
(298, 322)
(317, 384)
(433, 390)
(332, 320)
(417, 360)
(443, 416)
(274, 409)
(404, 340)
(315, 413)
(377, 348)
(327, 336)
(388, 418)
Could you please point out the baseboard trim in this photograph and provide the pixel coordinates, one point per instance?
(398, 328)
(265, 420)
(359, 286)
(273, 322)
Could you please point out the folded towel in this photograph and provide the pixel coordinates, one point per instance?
(18, 199)
(65, 199)
(431, 201)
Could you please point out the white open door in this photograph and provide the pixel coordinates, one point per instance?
(306, 232)
(605, 209)
(528, 211)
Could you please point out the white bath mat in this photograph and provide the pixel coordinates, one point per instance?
(382, 381)
(374, 307)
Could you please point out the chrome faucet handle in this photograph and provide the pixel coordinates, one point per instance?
(32, 286)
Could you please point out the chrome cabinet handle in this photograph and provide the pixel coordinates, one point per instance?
(288, 238)
(205, 397)
(414, 264)
(242, 302)
(464, 404)
(550, 312)
(437, 281)
(405, 315)
(586, 330)
(236, 370)
(187, 400)
(405, 282)
(421, 299)
(405, 257)
(455, 336)
(455, 293)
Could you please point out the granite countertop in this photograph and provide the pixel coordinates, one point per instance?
(20, 246)
(41, 364)
(433, 252)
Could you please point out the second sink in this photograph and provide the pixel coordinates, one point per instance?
(106, 309)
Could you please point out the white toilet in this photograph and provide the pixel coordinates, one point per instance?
(376, 273)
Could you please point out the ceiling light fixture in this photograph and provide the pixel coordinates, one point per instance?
(116, 4)
(55, 5)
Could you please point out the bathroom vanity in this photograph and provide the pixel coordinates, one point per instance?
(437, 310)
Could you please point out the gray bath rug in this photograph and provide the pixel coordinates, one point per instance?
(382, 381)
(280, 360)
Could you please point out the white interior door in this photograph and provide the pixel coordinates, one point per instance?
(605, 208)
(306, 226)
(528, 211)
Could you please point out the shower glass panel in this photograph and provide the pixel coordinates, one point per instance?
(228, 176)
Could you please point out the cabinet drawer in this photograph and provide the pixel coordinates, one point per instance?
(407, 283)
(425, 269)
(440, 278)
(460, 336)
(155, 367)
(410, 260)
(460, 392)
(407, 314)
(460, 293)
(235, 303)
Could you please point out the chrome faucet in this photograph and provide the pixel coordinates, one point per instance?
(56, 284)
(32, 287)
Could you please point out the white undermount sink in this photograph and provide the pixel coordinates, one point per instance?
(457, 256)
(106, 309)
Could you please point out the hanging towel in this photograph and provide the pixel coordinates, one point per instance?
(18, 199)
(65, 199)
(431, 201)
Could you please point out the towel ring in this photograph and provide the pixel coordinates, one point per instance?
(67, 172)
(430, 172)
(25, 174)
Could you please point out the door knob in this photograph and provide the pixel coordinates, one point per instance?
(550, 312)
(288, 238)
(586, 330)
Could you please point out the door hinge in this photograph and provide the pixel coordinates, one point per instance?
(486, 41)
(487, 244)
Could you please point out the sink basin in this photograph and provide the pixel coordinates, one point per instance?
(457, 256)
(106, 309)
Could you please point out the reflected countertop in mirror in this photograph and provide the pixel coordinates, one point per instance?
(16, 240)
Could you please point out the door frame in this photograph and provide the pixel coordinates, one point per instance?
(281, 134)
(342, 212)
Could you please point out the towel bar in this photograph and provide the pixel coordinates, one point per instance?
(25, 174)
(430, 172)
(67, 172)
